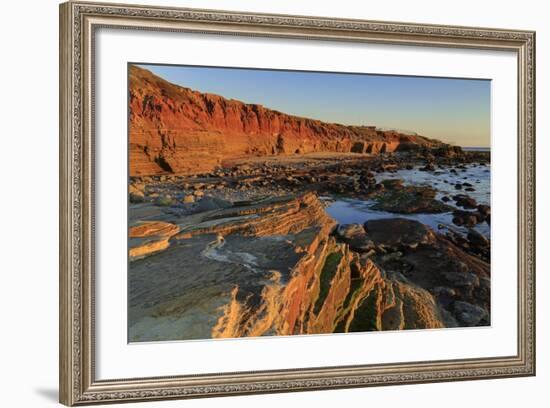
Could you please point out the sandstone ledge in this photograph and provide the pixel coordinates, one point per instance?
(278, 266)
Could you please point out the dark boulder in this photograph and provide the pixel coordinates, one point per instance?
(463, 200)
(467, 218)
(392, 232)
(477, 239)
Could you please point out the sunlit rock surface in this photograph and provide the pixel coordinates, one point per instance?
(280, 266)
(177, 130)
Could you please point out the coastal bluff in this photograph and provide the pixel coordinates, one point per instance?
(176, 130)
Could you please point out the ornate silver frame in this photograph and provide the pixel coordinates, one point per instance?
(78, 22)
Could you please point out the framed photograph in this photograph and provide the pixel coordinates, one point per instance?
(256, 203)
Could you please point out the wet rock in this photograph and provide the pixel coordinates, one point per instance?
(355, 236)
(484, 209)
(410, 200)
(348, 231)
(395, 232)
(458, 186)
(445, 199)
(461, 279)
(448, 151)
(467, 218)
(477, 239)
(468, 314)
(444, 291)
(457, 239)
(444, 295)
(137, 197)
(463, 200)
(392, 184)
(427, 167)
(441, 263)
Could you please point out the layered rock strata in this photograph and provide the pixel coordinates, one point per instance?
(280, 266)
(177, 130)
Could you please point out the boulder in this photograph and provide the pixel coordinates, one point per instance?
(467, 218)
(164, 201)
(408, 200)
(392, 184)
(355, 236)
(477, 239)
(468, 314)
(484, 209)
(137, 197)
(392, 232)
(463, 200)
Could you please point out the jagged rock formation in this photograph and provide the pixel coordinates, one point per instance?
(279, 266)
(177, 130)
(330, 290)
(458, 280)
(149, 237)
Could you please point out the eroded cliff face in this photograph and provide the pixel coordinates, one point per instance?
(177, 130)
(281, 266)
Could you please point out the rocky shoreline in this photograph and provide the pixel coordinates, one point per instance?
(248, 249)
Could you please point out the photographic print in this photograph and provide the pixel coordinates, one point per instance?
(251, 220)
(272, 203)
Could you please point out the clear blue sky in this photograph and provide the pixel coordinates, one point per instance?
(455, 111)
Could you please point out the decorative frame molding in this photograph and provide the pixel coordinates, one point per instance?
(78, 21)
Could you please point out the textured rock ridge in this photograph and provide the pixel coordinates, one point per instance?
(280, 266)
(331, 290)
(146, 238)
(173, 129)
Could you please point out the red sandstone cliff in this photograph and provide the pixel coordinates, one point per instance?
(177, 130)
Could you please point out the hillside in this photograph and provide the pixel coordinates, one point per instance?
(177, 130)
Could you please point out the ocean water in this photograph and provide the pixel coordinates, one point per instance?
(349, 211)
